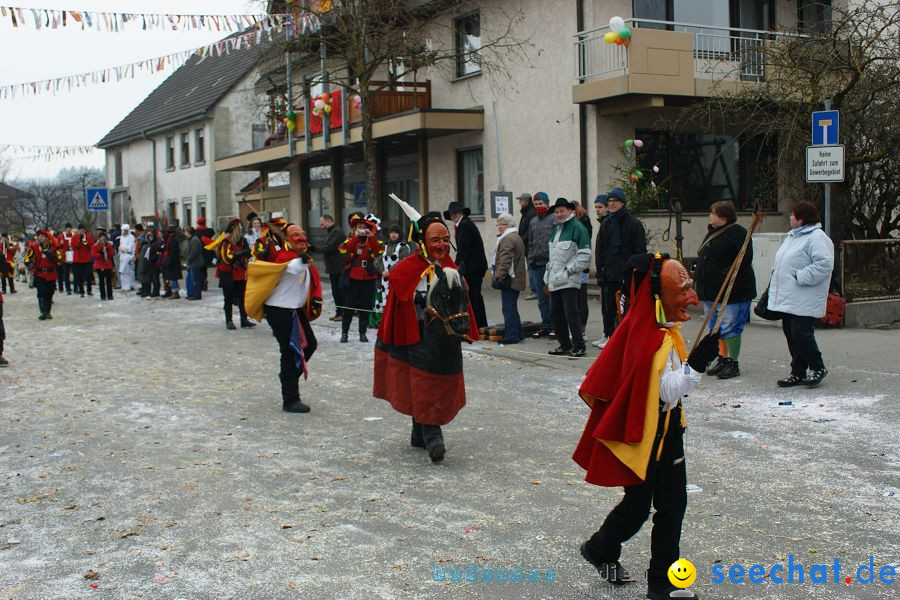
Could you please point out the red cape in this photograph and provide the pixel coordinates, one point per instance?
(399, 326)
(616, 388)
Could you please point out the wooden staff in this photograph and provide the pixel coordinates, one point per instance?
(730, 278)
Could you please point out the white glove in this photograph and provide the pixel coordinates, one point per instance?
(295, 266)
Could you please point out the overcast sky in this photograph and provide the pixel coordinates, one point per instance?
(82, 117)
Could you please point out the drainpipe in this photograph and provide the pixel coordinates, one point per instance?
(153, 144)
(582, 118)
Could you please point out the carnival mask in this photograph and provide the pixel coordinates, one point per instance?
(297, 239)
(437, 241)
(677, 293)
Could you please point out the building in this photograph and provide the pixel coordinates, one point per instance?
(557, 123)
(159, 158)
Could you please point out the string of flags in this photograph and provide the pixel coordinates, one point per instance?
(95, 20)
(32, 152)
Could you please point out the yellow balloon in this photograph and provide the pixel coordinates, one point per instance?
(610, 37)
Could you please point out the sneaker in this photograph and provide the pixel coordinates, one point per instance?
(815, 377)
(611, 572)
(560, 351)
(578, 352)
(792, 381)
(717, 366)
(601, 343)
(729, 370)
(531, 297)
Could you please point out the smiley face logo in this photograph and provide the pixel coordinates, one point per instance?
(682, 573)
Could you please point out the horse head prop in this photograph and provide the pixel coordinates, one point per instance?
(448, 303)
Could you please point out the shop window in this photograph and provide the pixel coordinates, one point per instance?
(467, 32)
(470, 179)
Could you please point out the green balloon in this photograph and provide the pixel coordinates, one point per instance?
(625, 33)
(291, 115)
(639, 174)
(629, 143)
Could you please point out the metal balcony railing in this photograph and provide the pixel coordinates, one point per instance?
(718, 51)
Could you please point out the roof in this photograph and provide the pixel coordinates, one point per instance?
(190, 92)
(8, 192)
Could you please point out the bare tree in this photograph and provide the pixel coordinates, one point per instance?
(51, 203)
(370, 44)
(854, 61)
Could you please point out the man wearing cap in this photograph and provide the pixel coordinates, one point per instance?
(537, 250)
(526, 208)
(82, 244)
(601, 208)
(42, 257)
(620, 237)
(569, 255)
(470, 257)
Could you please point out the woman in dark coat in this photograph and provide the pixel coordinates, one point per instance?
(720, 247)
(171, 261)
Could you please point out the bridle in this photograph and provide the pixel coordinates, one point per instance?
(434, 315)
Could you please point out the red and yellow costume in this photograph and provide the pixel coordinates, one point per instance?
(41, 258)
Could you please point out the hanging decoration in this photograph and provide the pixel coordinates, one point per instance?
(32, 152)
(321, 104)
(290, 120)
(618, 33)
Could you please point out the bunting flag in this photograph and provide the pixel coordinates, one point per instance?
(261, 33)
(31, 152)
(94, 20)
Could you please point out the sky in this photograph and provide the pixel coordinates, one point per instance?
(83, 116)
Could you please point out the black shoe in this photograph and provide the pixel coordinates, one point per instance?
(815, 377)
(82, 294)
(3, 362)
(193, 298)
(669, 592)
(43, 317)
(611, 572)
(295, 407)
(791, 381)
(560, 351)
(717, 366)
(344, 338)
(68, 292)
(436, 454)
(540, 333)
(229, 325)
(730, 369)
(90, 293)
(247, 325)
(578, 352)
(416, 442)
(363, 338)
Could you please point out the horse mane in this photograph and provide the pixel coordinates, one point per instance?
(454, 280)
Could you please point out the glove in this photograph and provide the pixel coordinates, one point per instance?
(704, 353)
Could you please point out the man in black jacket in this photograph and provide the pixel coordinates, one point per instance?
(334, 262)
(526, 208)
(470, 257)
(620, 236)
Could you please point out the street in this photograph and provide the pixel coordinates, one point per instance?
(145, 455)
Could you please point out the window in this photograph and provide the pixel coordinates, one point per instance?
(170, 152)
(814, 15)
(118, 168)
(187, 211)
(199, 148)
(700, 169)
(470, 179)
(185, 150)
(201, 207)
(259, 136)
(173, 212)
(745, 14)
(467, 31)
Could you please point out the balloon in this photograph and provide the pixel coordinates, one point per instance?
(633, 178)
(638, 143)
(319, 103)
(285, 120)
(625, 33)
(620, 41)
(639, 173)
(611, 37)
(327, 108)
(616, 23)
(291, 115)
(325, 96)
(628, 143)
(656, 168)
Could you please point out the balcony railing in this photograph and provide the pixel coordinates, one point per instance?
(719, 52)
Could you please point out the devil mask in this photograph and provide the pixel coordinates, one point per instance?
(677, 293)
(437, 241)
(297, 238)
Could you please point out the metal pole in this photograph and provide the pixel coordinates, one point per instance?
(827, 189)
(290, 93)
(500, 186)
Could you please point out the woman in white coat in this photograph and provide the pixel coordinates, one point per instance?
(799, 291)
(126, 258)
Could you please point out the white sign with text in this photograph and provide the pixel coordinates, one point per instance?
(824, 163)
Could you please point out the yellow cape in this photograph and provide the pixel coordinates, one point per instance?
(262, 277)
(637, 456)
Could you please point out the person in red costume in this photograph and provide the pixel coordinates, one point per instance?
(81, 245)
(42, 258)
(634, 435)
(360, 251)
(103, 253)
(418, 353)
(233, 254)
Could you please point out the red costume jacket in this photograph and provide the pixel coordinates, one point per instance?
(360, 257)
(81, 245)
(232, 259)
(101, 262)
(42, 263)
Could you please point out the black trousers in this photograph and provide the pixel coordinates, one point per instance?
(9, 279)
(583, 311)
(336, 292)
(664, 488)
(234, 295)
(430, 435)
(564, 316)
(800, 334)
(279, 319)
(473, 280)
(45, 291)
(83, 278)
(361, 295)
(609, 307)
(104, 282)
(64, 276)
(2, 329)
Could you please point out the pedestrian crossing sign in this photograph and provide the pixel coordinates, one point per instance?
(97, 199)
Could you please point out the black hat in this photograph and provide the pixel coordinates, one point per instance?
(68, 225)
(456, 207)
(423, 223)
(251, 216)
(81, 226)
(564, 203)
(616, 193)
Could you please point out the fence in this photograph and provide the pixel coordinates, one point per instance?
(870, 269)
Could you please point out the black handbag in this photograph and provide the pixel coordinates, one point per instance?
(762, 311)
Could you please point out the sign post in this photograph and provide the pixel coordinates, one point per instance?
(97, 199)
(825, 158)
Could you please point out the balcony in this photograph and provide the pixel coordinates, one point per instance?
(666, 59)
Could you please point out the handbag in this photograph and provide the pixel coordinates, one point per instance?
(762, 311)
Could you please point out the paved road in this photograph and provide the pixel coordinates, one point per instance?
(144, 442)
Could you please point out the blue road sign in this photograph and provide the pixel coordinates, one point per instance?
(825, 127)
(97, 199)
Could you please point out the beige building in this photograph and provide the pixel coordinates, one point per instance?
(557, 123)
